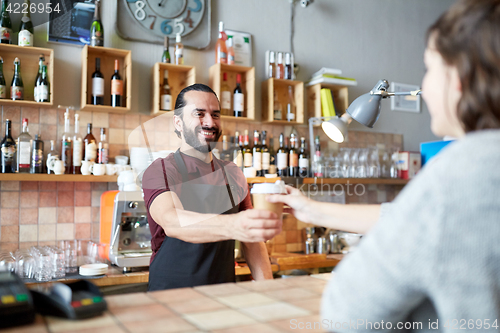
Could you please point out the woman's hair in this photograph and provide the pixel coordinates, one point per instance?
(468, 37)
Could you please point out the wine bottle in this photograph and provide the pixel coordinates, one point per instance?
(317, 160)
(96, 28)
(66, 145)
(290, 106)
(25, 37)
(24, 149)
(247, 151)
(272, 156)
(116, 87)
(238, 152)
(230, 52)
(77, 147)
(166, 95)
(266, 156)
(282, 158)
(90, 145)
(17, 86)
(303, 159)
(103, 148)
(5, 25)
(97, 84)
(37, 155)
(288, 66)
(280, 69)
(271, 71)
(44, 87)
(225, 97)
(226, 154)
(257, 154)
(38, 78)
(8, 150)
(179, 50)
(278, 110)
(52, 153)
(3, 86)
(293, 157)
(220, 47)
(238, 98)
(166, 54)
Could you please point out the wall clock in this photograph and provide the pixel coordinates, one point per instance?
(151, 20)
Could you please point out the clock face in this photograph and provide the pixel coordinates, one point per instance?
(167, 17)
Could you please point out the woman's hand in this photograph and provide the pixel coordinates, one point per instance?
(299, 204)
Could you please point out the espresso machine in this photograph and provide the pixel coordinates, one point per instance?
(125, 229)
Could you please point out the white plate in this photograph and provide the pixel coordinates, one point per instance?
(94, 266)
(91, 274)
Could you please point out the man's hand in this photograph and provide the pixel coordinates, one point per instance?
(300, 205)
(255, 225)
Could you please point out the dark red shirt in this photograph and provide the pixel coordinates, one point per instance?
(155, 181)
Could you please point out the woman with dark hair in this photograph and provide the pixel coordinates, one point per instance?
(431, 260)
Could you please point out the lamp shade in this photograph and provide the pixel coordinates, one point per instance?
(336, 128)
(365, 109)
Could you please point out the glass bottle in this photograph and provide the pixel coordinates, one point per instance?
(43, 89)
(52, 153)
(230, 52)
(303, 159)
(271, 71)
(25, 37)
(290, 106)
(266, 156)
(5, 25)
(37, 155)
(288, 66)
(238, 98)
(3, 86)
(38, 78)
(317, 160)
(247, 151)
(282, 158)
(225, 97)
(8, 150)
(225, 155)
(278, 109)
(179, 50)
(103, 148)
(166, 95)
(96, 28)
(90, 146)
(24, 149)
(220, 47)
(77, 147)
(280, 69)
(97, 84)
(272, 156)
(116, 86)
(257, 154)
(66, 145)
(293, 157)
(17, 86)
(166, 54)
(238, 152)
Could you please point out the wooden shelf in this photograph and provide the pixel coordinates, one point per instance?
(107, 56)
(42, 177)
(247, 84)
(340, 98)
(238, 119)
(179, 77)
(29, 69)
(280, 86)
(377, 181)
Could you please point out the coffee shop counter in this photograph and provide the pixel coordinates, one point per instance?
(279, 262)
(279, 305)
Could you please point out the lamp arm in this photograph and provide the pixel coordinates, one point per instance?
(386, 94)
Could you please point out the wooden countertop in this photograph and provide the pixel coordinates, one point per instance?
(279, 305)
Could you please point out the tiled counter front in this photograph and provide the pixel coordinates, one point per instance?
(280, 305)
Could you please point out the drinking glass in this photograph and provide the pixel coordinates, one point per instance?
(374, 164)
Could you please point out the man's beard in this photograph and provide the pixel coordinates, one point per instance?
(192, 139)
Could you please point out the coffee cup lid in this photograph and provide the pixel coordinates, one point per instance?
(269, 188)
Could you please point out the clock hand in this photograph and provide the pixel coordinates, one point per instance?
(161, 3)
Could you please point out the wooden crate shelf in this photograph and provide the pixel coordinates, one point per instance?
(108, 56)
(340, 98)
(29, 70)
(179, 77)
(43, 177)
(247, 85)
(281, 87)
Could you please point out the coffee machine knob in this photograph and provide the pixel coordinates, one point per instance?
(133, 204)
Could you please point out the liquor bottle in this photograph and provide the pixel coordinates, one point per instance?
(272, 156)
(230, 52)
(43, 89)
(24, 149)
(66, 145)
(257, 154)
(52, 153)
(278, 110)
(179, 50)
(288, 66)
(220, 47)
(38, 78)
(5, 25)
(116, 87)
(247, 151)
(96, 28)
(238, 98)
(25, 37)
(280, 69)
(237, 152)
(97, 84)
(303, 159)
(290, 106)
(90, 146)
(266, 156)
(282, 158)
(8, 150)
(103, 148)
(3, 86)
(166, 54)
(271, 71)
(166, 96)
(17, 86)
(293, 157)
(225, 97)
(317, 160)
(37, 155)
(77, 147)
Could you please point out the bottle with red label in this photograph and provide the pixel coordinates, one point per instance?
(5, 25)
(116, 87)
(17, 86)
